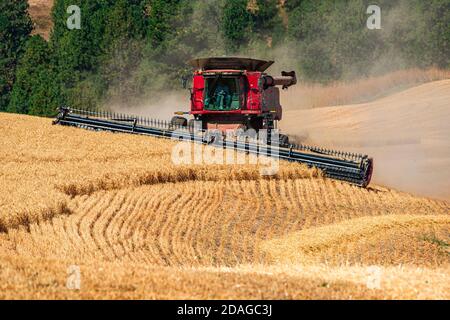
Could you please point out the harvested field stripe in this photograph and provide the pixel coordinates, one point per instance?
(293, 247)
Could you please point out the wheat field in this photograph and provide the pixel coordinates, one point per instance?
(139, 226)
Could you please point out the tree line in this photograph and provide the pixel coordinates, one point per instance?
(128, 51)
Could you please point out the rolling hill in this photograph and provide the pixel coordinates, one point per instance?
(138, 226)
(407, 133)
(40, 12)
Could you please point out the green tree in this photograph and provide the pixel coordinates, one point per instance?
(97, 56)
(15, 27)
(160, 13)
(236, 23)
(122, 44)
(76, 51)
(422, 36)
(332, 39)
(35, 90)
(265, 17)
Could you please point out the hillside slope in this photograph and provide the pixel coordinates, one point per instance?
(40, 12)
(407, 134)
(139, 226)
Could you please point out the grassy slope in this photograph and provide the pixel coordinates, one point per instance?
(407, 133)
(40, 13)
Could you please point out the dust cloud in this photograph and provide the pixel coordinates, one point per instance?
(407, 134)
(403, 124)
(162, 108)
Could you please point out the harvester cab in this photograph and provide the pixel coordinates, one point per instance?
(230, 93)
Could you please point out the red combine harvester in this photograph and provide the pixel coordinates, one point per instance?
(231, 94)
(236, 93)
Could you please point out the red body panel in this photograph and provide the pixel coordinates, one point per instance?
(197, 93)
(254, 94)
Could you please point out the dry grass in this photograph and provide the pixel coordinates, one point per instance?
(42, 168)
(40, 12)
(141, 227)
(387, 240)
(305, 96)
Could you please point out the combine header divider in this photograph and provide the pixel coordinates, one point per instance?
(356, 169)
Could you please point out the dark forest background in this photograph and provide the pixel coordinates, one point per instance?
(131, 51)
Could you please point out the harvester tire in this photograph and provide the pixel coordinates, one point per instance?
(178, 122)
(284, 140)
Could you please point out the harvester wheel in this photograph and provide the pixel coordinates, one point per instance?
(178, 122)
(284, 140)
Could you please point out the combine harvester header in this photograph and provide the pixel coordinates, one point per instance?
(231, 94)
(353, 168)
